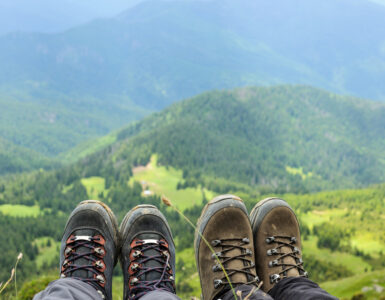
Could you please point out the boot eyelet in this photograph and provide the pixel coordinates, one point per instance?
(274, 278)
(67, 251)
(101, 294)
(271, 252)
(100, 252)
(65, 263)
(216, 242)
(217, 283)
(101, 280)
(99, 264)
(216, 268)
(270, 239)
(134, 281)
(273, 263)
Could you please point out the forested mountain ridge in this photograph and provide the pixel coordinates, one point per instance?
(291, 137)
(52, 123)
(287, 137)
(15, 159)
(97, 77)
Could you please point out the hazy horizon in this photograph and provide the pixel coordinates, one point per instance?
(45, 16)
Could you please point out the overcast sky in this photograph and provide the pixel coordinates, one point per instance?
(379, 1)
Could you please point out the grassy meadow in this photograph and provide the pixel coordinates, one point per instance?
(17, 210)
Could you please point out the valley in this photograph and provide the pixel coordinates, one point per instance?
(253, 142)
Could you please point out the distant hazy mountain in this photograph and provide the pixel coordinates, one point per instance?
(55, 15)
(111, 71)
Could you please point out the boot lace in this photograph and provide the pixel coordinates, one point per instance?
(226, 246)
(289, 242)
(137, 269)
(95, 254)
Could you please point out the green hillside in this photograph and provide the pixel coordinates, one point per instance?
(253, 142)
(14, 159)
(35, 121)
(285, 138)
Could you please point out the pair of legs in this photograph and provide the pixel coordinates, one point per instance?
(231, 248)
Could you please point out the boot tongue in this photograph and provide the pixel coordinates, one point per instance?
(81, 250)
(289, 260)
(152, 263)
(236, 264)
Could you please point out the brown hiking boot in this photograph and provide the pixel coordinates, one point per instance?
(225, 225)
(277, 242)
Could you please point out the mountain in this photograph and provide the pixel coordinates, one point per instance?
(54, 16)
(279, 136)
(14, 159)
(97, 77)
(51, 123)
(261, 139)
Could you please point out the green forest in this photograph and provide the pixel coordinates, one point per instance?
(321, 152)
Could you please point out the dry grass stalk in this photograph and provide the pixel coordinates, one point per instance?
(19, 257)
(9, 280)
(13, 274)
(251, 292)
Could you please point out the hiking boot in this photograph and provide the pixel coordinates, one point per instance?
(148, 252)
(225, 225)
(277, 242)
(89, 246)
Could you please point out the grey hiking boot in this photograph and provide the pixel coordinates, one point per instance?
(148, 252)
(89, 246)
(277, 242)
(225, 224)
